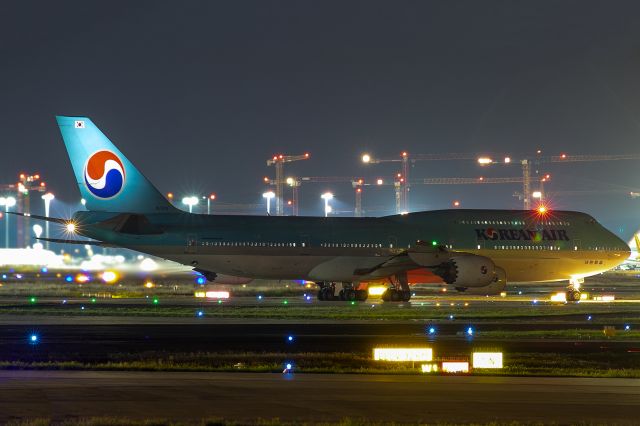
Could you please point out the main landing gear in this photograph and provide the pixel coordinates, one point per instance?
(328, 292)
(573, 290)
(399, 292)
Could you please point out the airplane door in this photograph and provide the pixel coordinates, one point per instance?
(192, 243)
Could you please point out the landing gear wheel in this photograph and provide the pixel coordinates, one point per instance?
(350, 295)
(341, 295)
(321, 294)
(326, 293)
(406, 296)
(361, 295)
(573, 296)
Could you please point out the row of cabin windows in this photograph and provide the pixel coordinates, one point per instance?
(514, 222)
(353, 245)
(593, 262)
(247, 244)
(536, 247)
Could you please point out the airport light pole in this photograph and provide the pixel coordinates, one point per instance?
(327, 196)
(269, 195)
(48, 197)
(210, 198)
(7, 202)
(190, 201)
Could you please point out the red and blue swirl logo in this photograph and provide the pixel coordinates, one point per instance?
(104, 174)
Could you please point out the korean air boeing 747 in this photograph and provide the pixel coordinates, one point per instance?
(473, 250)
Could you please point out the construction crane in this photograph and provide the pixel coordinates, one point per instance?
(527, 163)
(278, 161)
(403, 182)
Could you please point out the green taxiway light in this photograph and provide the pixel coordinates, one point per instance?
(93, 300)
(285, 302)
(155, 301)
(434, 243)
(32, 300)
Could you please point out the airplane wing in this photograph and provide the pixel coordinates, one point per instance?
(420, 256)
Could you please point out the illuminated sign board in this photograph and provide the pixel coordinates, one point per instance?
(455, 366)
(487, 360)
(403, 354)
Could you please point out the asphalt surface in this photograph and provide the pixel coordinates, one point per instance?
(290, 397)
(97, 342)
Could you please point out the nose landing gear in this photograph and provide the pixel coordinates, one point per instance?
(573, 290)
(400, 291)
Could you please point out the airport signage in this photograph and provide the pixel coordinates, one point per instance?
(403, 354)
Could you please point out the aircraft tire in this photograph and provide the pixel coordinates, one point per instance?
(396, 296)
(350, 295)
(361, 295)
(406, 296)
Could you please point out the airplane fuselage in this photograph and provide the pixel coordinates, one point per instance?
(528, 246)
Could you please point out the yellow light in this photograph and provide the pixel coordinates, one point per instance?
(71, 227)
(82, 278)
(585, 296)
(200, 294)
(487, 360)
(379, 181)
(455, 366)
(149, 284)
(403, 354)
(484, 161)
(366, 158)
(503, 294)
(542, 209)
(109, 277)
(430, 368)
(559, 297)
(377, 290)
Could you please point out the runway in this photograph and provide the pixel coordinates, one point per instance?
(240, 396)
(94, 342)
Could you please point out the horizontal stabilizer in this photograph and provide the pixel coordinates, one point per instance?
(48, 219)
(80, 242)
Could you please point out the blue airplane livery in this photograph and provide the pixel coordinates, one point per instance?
(474, 251)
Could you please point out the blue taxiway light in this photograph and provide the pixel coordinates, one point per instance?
(589, 318)
(33, 338)
(470, 331)
(450, 317)
(68, 278)
(627, 327)
(200, 280)
(432, 330)
(290, 338)
(259, 297)
(200, 313)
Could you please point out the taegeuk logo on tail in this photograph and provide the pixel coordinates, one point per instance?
(104, 174)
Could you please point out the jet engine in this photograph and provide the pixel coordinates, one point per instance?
(467, 271)
(493, 289)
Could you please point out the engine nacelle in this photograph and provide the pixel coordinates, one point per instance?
(467, 271)
(493, 289)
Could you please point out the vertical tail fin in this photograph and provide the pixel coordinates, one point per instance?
(108, 181)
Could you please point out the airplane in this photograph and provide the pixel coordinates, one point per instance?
(475, 251)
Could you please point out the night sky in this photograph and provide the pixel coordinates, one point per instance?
(199, 94)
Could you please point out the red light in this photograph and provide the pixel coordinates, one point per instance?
(1, 215)
(401, 179)
(359, 190)
(306, 154)
(212, 196)
(42, 184)
(36, 177)
(542, 209)
(21, 175)
(456, 203)
(399, 175)
(290, 202)
(563, 156)
(266, 179)
(170, 195)
(481, 178)
(404, 153)
(280, 156)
